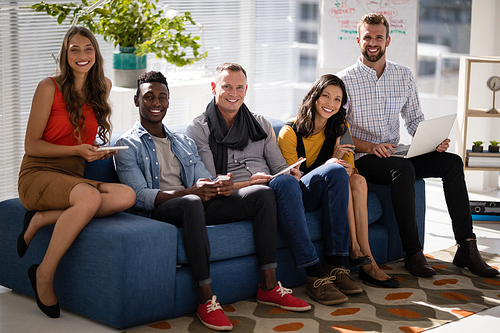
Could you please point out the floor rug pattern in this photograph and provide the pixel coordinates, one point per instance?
(419, 304)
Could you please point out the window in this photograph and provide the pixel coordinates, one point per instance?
(257, 34)
(309, 11)
(444, 30)
(310, 37)
(307, 68)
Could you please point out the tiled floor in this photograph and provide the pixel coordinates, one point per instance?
(19, 314)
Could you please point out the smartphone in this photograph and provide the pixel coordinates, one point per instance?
(221, 177)
(290, 167)
(111, 148)
(346, 139)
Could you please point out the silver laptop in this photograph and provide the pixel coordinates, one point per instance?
(429, 134)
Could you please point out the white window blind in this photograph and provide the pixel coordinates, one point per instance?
(258, 34)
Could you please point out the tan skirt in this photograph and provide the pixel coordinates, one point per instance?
(46, 183)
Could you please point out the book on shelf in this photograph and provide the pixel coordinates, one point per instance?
(484, 159)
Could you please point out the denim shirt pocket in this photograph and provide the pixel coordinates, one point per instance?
(188, 159)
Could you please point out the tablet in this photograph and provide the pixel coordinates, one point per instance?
(290, 167)
(112, 148)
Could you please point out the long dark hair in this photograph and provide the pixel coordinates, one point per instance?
(94, 93)
(307, 110)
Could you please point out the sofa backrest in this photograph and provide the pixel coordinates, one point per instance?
(104, 170)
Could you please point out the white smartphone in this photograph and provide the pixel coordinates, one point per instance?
(112, 148)
(221, 177)
(290, 167)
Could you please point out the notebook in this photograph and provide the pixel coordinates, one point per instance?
(429, 134)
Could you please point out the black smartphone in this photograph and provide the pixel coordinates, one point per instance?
(347, 139)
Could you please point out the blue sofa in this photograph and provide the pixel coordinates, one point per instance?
(126, 270)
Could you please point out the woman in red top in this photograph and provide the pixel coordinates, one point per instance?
(68, 111)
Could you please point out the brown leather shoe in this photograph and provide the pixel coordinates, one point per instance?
(343, 280)
(418, 266)
(468, 256)
(323, 291)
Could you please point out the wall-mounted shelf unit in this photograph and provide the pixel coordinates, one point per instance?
(465, 111)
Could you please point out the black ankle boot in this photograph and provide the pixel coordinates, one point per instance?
(468, 256)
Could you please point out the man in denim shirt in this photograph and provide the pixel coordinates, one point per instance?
(173, 185)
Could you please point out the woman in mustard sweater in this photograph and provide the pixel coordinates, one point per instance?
(315, 134)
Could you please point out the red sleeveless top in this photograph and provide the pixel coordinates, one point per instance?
(59, 129)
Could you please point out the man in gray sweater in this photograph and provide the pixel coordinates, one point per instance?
(232, 139)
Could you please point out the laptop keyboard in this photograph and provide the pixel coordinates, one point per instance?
(401, 153)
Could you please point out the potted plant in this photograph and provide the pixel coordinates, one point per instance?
(137, 28)
(477, 147)
(493, 148)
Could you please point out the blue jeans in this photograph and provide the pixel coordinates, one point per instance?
(325, 187)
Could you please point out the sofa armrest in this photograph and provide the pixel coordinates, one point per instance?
(120, 270)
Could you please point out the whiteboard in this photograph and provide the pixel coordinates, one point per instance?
(337, 47)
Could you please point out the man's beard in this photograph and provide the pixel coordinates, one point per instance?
(373, 58)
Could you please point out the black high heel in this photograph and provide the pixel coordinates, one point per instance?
(389, 283)
(52, 311)
(22, 247)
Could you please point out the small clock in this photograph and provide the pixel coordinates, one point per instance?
(493, 83)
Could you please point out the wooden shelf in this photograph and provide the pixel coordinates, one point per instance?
(482, 168)
(466, 111)
(481, 113)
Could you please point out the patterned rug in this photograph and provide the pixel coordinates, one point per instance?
(419, 304)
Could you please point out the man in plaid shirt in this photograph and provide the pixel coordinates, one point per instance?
(379, 91)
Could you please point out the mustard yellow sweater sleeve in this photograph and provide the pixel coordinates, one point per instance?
(350, 158)
(287, 140)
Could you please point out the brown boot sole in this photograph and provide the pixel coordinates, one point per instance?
(331, 302)
(351, 292)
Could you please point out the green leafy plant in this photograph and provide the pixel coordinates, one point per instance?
(477, 143)
(494, 143)
(134, 23)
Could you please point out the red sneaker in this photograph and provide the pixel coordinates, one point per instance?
(212, 316)
(282, 298)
